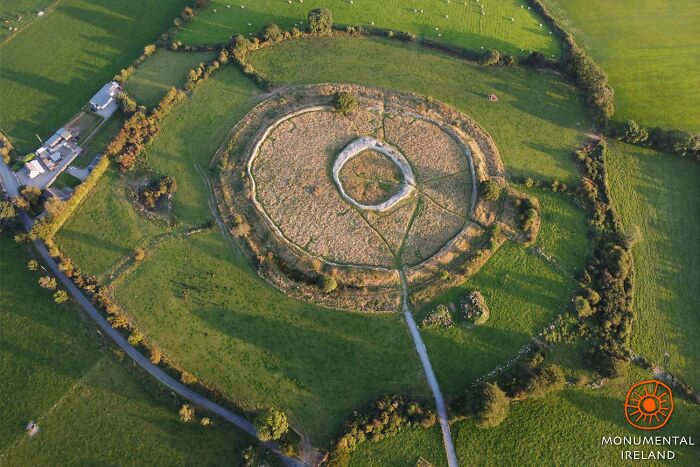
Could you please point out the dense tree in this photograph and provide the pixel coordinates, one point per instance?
(54, 206)
(271, 424)
(7, 213)
(492, 407)
(272, 32)
(126, 104)
(320, 21)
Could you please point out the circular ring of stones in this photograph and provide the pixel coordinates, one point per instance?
(289, 203)
(363, 143)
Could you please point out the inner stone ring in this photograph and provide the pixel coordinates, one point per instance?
(365, 143)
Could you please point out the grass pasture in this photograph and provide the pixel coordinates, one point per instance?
(52, 68)
(524, 293)
(213, 315)
(561, 429)
(460, 22)
(20, 14)
(161, 71)
(89, 407)
(649, 49)
(659, 193)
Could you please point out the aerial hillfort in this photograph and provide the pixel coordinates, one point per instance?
(349, 232)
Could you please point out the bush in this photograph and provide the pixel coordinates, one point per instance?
(272, 32)
(320, 21)
(135, 338)
(187, 378)
(631, 132)
(156, 356)
(47, 282)
(186, 413)
(492, 57)
(631, 236)
(61, 296)
(32, 265)
(583, 307)
(271, 425)
(489, 190)
(328, 284)
(345, 102)
(492, 407)
(139, 254)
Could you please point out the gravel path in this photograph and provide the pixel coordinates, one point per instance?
(430, 375)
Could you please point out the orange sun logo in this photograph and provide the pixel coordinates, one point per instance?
(649, 405)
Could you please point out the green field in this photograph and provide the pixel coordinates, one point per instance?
(66, 180)
(562, 429)
(660, 193)
(19, 14)
(459, 22)
(524, 293)
(650, 49)
(163, 70)
(44, 81)
(88, 406)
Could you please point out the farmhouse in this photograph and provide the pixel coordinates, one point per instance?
(34, 168)
(104, 96)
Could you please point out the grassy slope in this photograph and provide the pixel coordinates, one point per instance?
(660, 193)
(562, 429)
(651, 52)
(534, 124)
(237, 333)
(524, 293)
(88, 407)
(105, 228)
(465, 27)
(163, 70)
(44, 81)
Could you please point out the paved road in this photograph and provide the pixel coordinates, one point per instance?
(10, 184)
(432, 380)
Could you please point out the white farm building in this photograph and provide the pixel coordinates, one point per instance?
(104, 96)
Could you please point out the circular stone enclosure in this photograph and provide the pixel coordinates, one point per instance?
(389, 186)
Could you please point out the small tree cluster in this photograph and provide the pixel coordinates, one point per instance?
(201, 73)
(526, 212)
(320, 21)
(387, 417)
(126, 104)
(271, 424)
(680, 142)
(152, 195)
